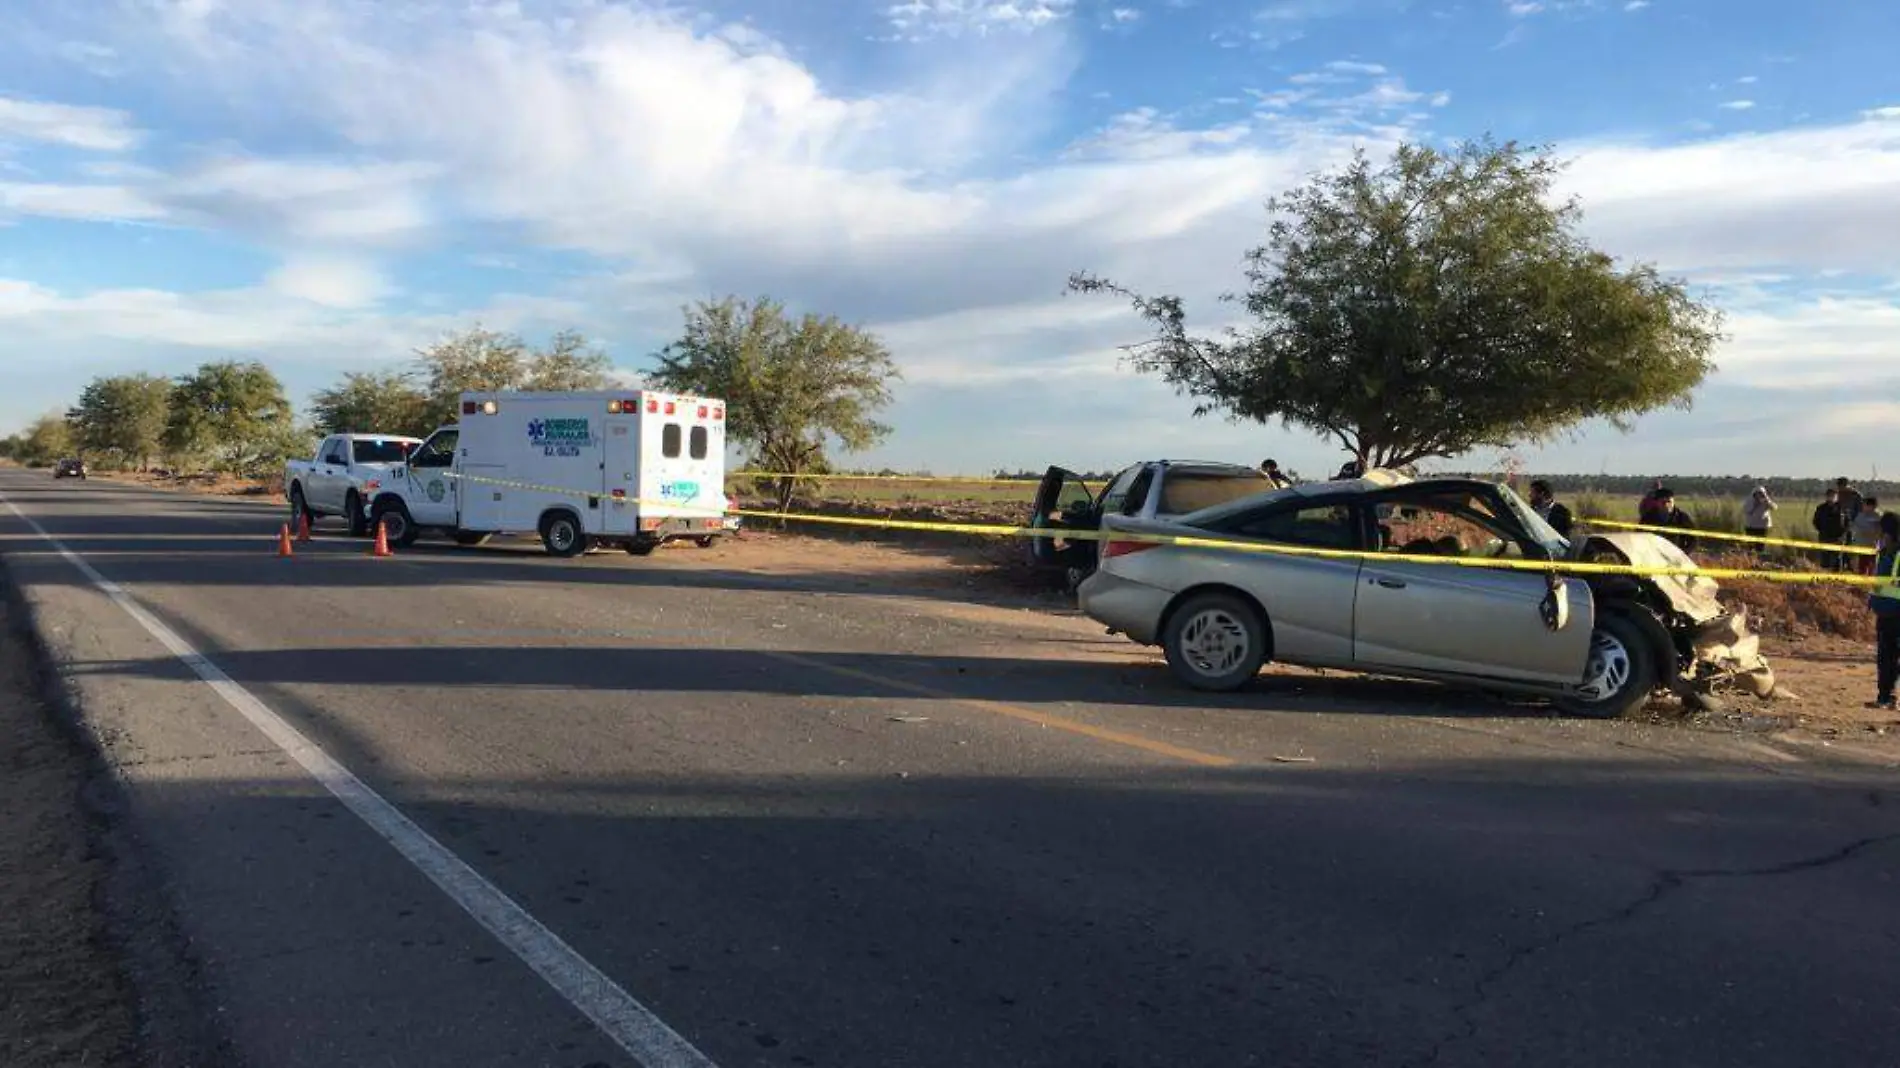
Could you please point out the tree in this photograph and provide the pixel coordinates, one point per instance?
(46, 440)
(235, 415)
(485, 361)
(374, 403)
(790, 386)
(569, 363)
(1433, 305)
(123, 417)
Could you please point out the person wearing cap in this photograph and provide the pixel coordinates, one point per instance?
(1885, 602)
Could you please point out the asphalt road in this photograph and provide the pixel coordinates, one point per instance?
(811, 822)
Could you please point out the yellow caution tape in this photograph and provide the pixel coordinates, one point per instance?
(1802, 578)
(1692, 532)
(968, 480)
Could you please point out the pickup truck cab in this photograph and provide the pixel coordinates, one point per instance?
(343, 476)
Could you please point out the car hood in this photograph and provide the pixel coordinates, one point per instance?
(1692, 595)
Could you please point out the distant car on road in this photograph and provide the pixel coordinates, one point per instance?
(344, 476)
(1153, 489)
(1597, 645)
(71, 467)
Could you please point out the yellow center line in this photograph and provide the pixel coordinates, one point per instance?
(1021, 713)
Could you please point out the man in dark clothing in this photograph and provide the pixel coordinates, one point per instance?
(1271, 469)
(1664, 513)
(1829, 528)
(1885, 602)
(1850, 502)
(1544, 503)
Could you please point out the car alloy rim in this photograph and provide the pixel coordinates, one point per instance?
(1214, 642)
(1608, 669)
(562, 536)
(395, 526)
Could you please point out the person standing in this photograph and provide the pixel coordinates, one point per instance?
(1885, 602)
(1271, 469)
(1849, 502)
(1758, 513)
(1864, 533)
(1544, 503)
(1828, 528)
(1664, 513)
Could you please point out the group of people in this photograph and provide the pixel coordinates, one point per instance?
(1844, 517)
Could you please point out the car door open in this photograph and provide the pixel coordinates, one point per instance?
(1063, 502)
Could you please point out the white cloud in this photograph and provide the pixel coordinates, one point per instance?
(1892, 112)
(1636, 5)
(331, 282)
(98, 203)
(1747, 79)
(1736, 105)
(924, 19)
(71, 125)
(1124, 15)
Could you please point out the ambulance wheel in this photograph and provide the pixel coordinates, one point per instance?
(398, 525)
(562, 535)
(642, 548)
(705, 541)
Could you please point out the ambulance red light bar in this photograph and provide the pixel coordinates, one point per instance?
(652, 406)
(702, 411)
(669, 407)
(479, 408)
(719, 413)
(623, 407)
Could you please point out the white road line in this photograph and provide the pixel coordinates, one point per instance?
(630, 1024)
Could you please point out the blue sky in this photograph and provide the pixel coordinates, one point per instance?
(326, 184)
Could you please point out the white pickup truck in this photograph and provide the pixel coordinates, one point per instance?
(347, 471)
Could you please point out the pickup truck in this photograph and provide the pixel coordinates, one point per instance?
(346, 472)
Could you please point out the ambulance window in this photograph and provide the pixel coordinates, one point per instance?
(670, 441)
(697, 443)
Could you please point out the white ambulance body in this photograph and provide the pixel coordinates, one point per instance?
(633, 468)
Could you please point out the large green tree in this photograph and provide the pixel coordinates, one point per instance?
(123, 417)
(374, 402)
(791, 386)
(47, 439)
(1430, 305)
(479, 360)
(235, 416)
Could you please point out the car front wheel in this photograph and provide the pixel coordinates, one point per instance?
(1215, 642)
(1620, 674)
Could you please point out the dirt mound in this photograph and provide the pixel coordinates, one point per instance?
(1790, 610)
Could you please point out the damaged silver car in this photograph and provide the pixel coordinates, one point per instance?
(1409, 595)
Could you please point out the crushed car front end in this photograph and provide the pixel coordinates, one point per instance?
(1715, 650)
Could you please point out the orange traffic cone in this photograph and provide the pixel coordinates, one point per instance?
(283, 541)
(381, 548)
(303, 528)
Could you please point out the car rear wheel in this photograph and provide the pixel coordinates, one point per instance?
(1215, 642)
(1620, 674)
(300, 509)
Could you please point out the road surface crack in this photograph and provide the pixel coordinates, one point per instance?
(1666, 883)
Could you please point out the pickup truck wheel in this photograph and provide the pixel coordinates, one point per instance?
(1620, 674)
(642, 547)
(394, 518)
(353, 514)
(562, 536)
(1215, 642)
(300, 509)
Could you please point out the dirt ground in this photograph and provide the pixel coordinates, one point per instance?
(64, 999)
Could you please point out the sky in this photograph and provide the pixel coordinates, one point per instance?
(325, 185)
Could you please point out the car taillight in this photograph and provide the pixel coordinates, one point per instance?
(1112, 549)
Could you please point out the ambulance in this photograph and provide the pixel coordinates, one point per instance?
(627, 468)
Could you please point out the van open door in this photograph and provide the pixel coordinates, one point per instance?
(1063, 502)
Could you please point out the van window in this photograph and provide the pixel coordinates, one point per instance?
(1116, 495)
(696, 443)
(670, 441)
